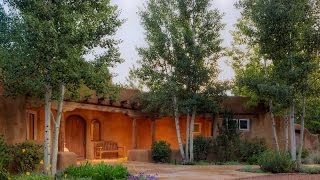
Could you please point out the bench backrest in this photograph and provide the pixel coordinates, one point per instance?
(107, 145)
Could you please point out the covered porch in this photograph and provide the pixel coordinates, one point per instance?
(85, 127)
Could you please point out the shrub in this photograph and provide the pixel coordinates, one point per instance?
(201, 146)
(226, 144)
(251, 149)
(97, 172)
(305, 152)
(313, 158)
(276, 162)
(4, 155)
(4, 174)
(26, 157)
(32, 177)
(161, 151)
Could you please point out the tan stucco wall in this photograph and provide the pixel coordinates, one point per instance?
(12, 119)
(166, 130)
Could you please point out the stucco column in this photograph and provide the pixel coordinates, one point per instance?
(134, 133)
(62, 134)
(215, 125)
(153, 130)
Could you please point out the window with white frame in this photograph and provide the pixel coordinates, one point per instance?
(244, 124)
(31, 122)
(241, 124)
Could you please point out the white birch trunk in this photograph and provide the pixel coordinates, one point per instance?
(274, 130)
(187, 136)
(56, 131)
(302, 128)
(292, 133)
(176, 119)
(191, 133)
(286, 132)
(47, 129)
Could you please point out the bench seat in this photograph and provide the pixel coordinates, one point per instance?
(103, 147)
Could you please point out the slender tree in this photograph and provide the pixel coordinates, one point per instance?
(44, 44)
(282, 29)
(180, 60)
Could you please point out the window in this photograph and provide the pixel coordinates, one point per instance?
(241, 124)
(95, 130)
(244, 124)
(232, 123)
(197, 128)
(31, 123)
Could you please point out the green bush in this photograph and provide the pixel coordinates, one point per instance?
(250, 150)
(276, 162)
(96, 172)
(26, 157)
(4, 155)
(4, 174)
(226, 144)
(161, 151)
(305, 152)
(313, 158)
(32, 177)
(201, 147)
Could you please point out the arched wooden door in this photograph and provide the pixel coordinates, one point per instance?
(75, 137)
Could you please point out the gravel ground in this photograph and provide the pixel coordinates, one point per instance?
(285, 177)
(209, 172)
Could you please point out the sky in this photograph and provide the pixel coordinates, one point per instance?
(132, 35)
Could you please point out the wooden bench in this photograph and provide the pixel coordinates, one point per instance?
(102, 147)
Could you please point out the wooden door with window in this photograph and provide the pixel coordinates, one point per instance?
(75, 135)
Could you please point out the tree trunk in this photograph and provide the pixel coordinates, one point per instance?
(302, 128)
(57, 130)
(47, 129)
(176, 119)
(292, 133)
(191, 133)
(286, 132)
(274, 130)
(187, 135)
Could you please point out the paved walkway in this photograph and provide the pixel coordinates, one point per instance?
(165, 171)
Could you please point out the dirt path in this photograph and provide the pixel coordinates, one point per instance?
(165, 171)
(210, 172)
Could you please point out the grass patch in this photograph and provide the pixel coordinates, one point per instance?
(32, 176)
(309, 170)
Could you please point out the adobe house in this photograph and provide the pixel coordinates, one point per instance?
(87, 123)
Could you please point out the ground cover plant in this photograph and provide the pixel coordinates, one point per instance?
(31, 176)
(96, 172)
(143, 176)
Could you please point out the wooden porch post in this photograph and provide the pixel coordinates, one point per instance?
(62, 134)
(153, 130)
(134, 133)
(215, 125)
